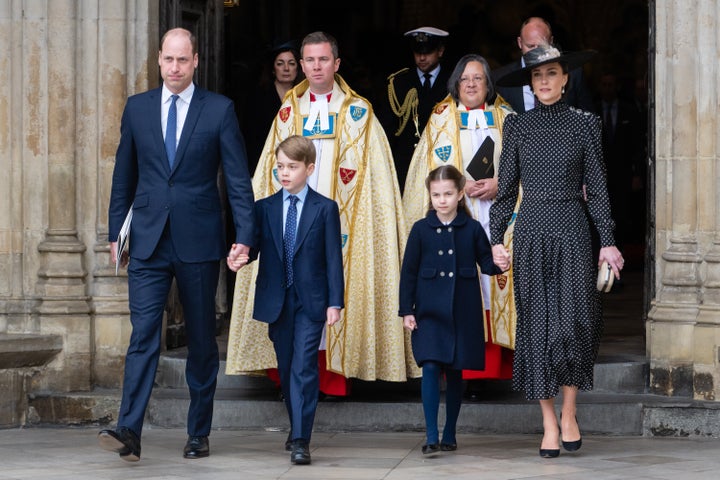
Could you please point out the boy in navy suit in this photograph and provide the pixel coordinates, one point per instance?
(299, 284)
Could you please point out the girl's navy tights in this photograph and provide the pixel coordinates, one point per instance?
(431, 400)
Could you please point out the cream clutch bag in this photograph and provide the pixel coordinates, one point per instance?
(605, 278)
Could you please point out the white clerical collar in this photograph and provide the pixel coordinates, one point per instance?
(319, 108)
(476, 118)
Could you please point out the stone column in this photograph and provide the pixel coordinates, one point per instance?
(11, 211)
(706, 378)
(125, 36)
(685, 193)
(61, 288)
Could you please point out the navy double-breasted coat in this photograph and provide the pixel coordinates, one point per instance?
(440, 285)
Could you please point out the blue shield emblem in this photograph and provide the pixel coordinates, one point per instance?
(344, 238)
(275, 175)
(357, 112)
(443, 152)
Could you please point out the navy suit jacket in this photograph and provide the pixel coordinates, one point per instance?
(317, 262)
(576, 94)
(187, 196)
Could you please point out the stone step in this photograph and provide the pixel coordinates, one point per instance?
(248, 408)
(621, 374)
(619, 405)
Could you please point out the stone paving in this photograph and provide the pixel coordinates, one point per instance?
(73, 453)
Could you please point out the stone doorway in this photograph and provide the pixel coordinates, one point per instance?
(235, 37)
(371, 47)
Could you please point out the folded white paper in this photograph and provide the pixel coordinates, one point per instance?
(122, 240)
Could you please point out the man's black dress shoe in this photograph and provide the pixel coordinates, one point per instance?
(448, 447)
(430, 448)
(288, 443)
(122, 441)
(300, 453)
(197, 447)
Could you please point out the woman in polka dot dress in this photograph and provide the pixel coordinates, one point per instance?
(554, 151)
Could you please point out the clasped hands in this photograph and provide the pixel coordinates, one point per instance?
(501, 257)
(238, 256)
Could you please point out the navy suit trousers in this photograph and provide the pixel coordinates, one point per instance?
(296, 339)
(149, 282)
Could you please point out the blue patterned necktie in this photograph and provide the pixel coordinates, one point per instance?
(171, 132)
(289, 239)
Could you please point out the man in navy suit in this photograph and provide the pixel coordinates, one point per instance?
(173, 140)
(536, 31)
(300, 284)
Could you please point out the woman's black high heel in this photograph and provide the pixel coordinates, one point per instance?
(575, 445)
(549, 452)
(572, 446)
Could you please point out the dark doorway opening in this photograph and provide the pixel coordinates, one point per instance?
(371, 47)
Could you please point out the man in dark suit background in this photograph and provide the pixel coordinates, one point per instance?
(412, 94)
(173, 140)
(536, 31)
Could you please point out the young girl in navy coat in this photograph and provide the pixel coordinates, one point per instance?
(440, 299)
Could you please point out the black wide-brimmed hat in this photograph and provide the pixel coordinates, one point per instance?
(542, 55)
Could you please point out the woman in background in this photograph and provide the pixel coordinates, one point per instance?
(263, 104)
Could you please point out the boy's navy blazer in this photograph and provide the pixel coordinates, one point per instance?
(317, 263)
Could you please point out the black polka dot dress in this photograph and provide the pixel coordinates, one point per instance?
(552, 151)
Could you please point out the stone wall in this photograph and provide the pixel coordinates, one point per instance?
(683, 331)
(65, 72)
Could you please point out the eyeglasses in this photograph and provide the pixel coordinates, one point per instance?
(475, 79)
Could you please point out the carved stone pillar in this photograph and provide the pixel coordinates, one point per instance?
(61, 288)
(683, 324)
(122, 43)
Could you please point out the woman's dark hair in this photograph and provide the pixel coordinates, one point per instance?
(453, 84)
(447, 172)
